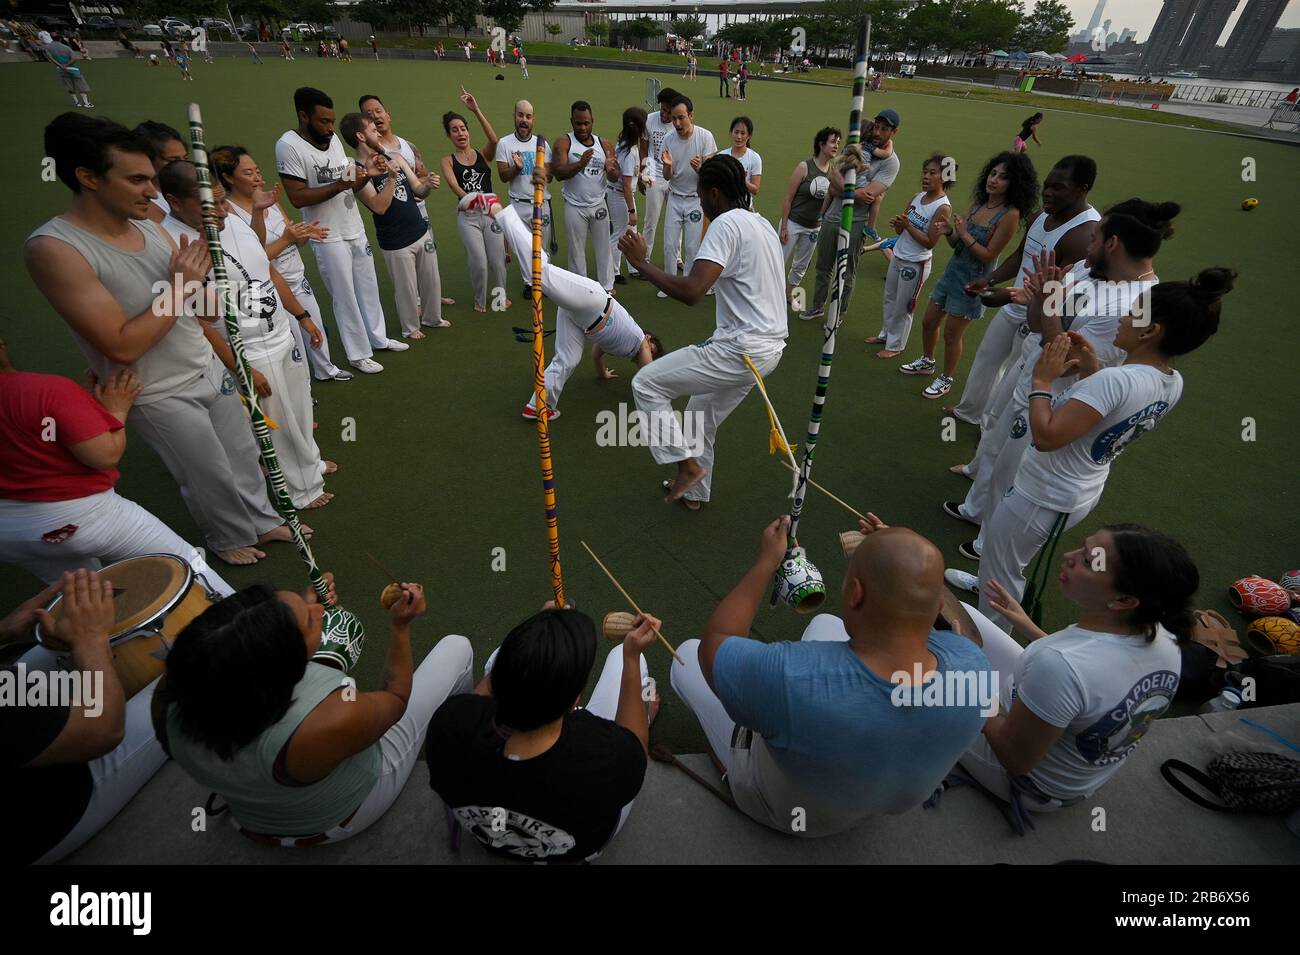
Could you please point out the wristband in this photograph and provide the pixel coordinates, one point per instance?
(1040, 394)
(306, 315)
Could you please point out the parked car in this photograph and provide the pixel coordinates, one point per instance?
(246, 31)
(152, 29)
(215, 25)
(303, 30)
(54, 24)
(330, 33)
(177, 29)
(101, 22)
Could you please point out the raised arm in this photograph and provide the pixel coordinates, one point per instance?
(734, 615)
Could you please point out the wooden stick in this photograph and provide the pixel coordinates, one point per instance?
(850, 507)
(628, 598)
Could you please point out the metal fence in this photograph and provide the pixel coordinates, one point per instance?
(1228, 95)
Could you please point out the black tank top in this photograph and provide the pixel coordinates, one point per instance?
(475, 178)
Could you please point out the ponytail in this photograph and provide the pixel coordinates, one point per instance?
(1157, 571)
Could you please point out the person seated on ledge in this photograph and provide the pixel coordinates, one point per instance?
(819, 734)
(297, 753)
(1075, 704)
(68, 766)
(530, 773)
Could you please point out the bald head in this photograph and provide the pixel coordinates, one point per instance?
(524, 119)
(899, 577)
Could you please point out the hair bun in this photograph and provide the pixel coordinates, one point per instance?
(1214, 282)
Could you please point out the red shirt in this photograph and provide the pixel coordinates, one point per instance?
(724, 66)
(41, 416)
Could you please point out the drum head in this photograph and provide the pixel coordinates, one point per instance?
(145, 589)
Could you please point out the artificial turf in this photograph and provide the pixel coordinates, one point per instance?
(443, 470)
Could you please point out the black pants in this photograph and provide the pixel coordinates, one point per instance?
(722, 86)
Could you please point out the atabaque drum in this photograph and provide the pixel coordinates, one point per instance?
(154, 597)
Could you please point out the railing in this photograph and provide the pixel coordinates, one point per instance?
(1228, 95)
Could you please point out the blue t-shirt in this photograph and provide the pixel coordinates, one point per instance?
(833, 728)
(402, 224)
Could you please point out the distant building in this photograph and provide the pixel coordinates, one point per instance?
(1095, 19)
(1253, 30)
(1166, 40)
(1126, 35)
(1200, 47)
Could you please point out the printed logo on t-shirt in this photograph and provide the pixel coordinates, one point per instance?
(306, 287)
(1112, 442)
(1019, 427)
(513, 832)
(1114, 736)
(327, 173)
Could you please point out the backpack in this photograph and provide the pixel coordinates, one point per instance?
(1265, 783)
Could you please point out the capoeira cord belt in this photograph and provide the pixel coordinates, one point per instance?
(1037, 578)
(833, 308)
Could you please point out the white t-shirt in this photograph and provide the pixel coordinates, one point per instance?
(263, 322)
(289, 262)
(1131, 399)
(628, 162)
(1104, 690)
(521, 187)
(299, 159)
(700, 143)
(1093, 308)
(750, 292)
(656, 129)
(586, 188)
(161, 203)
(919, 214)
(752, 162)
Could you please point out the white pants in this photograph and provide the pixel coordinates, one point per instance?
(203, 436)
(800, 243)
(446, 671)
(656, 195)
(109, 528)
(289, 406)
(984, 493)
(484, 246)
(116, 776)
(524, 210)
(581, 221)
(683, 228)
(618, 220)
(416, 280)
(348, 269)
(322, 366)
(717, 379)
(1014, 423)
(1013, 535)
(903, 285)
(1000, 344)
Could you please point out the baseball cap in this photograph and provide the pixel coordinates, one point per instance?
(890, 116)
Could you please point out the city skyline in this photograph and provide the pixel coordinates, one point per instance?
(1140, 15)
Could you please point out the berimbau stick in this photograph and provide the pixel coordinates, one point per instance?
(847, 506)
(539, 389)
(628, 597)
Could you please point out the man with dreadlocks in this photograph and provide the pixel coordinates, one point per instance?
(741, 260)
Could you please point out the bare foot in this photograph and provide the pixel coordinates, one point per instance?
(958, 469)
(874, 340)
(886, 353)
(508, 303)
(480, 308)
(414, 336)
(689, 474)
(241, 556)
(282, 533)
(330, 467)
(448, 301)
(321, 501)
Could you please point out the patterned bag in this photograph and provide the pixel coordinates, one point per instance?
(1266, 783)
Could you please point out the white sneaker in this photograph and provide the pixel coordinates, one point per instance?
(661, 294)
(394, 345)
(709, 292)
(961, 581)
(368, 366)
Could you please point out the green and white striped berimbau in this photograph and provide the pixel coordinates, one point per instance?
(228, 310)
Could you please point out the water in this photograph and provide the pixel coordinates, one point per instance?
(1204, 81)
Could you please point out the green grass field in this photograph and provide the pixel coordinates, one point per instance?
(443, 470)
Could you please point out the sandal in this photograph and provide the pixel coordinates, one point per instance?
(1213, 631)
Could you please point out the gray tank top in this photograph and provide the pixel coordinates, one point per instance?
(247, 781)
(805, 208)
(181, 355)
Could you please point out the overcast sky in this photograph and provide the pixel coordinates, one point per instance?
(1141, 15)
